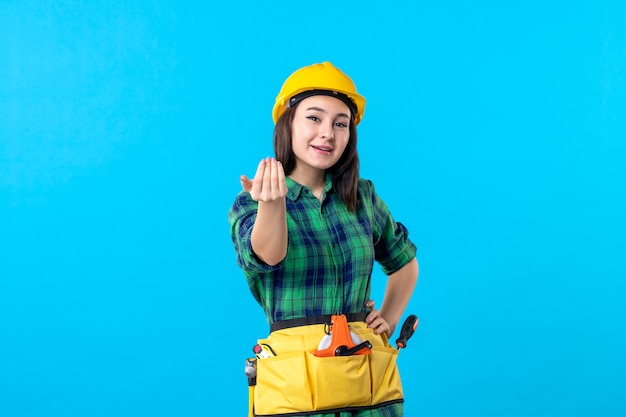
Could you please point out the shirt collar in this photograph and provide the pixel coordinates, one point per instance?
(294, 189)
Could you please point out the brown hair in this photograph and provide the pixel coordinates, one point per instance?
(345, 172)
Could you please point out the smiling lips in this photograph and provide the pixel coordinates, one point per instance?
(324, 149)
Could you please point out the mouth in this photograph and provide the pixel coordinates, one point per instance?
(323, 149)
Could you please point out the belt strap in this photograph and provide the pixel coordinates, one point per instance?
(310, 320)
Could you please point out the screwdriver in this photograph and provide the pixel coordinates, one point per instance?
(408, 328)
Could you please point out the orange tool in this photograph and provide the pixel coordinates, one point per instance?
(408, 328)
(341, 343)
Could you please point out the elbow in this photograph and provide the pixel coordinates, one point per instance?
(272, 259)
(417, 269)
(411, 270)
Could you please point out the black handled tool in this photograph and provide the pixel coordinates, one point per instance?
(408, 328)
(344, 351)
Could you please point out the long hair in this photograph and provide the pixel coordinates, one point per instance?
(345, 172)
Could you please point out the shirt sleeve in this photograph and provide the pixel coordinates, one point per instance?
(392, 246)
(242, 216)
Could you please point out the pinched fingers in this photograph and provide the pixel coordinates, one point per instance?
(274, 181)
(280, 178)
(257, 182)
(269, 181)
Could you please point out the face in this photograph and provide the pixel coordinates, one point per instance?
(320, 133)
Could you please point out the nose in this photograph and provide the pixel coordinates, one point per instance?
(327, 131)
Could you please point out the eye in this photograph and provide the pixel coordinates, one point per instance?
(341, 125)
(313, 118)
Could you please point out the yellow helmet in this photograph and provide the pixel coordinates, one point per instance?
(316, 79)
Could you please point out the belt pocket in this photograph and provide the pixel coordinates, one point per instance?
(339, 381)
(386, 384)
(282, 385)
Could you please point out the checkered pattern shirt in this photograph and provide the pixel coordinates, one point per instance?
(330, 254)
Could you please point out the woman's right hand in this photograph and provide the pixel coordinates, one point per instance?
(268, 183)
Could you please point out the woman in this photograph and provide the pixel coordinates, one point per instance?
(307, 230)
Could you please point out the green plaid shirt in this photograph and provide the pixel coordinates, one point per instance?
(330, 254)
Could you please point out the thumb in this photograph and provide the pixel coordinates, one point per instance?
(245, 183)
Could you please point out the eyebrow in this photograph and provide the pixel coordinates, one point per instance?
(324, 111)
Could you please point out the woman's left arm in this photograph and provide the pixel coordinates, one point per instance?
(398, 292)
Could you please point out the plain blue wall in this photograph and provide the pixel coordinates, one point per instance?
(494, 130)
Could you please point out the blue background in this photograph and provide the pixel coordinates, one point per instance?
(494, 130)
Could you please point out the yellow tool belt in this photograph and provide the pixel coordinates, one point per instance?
(294, 381)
